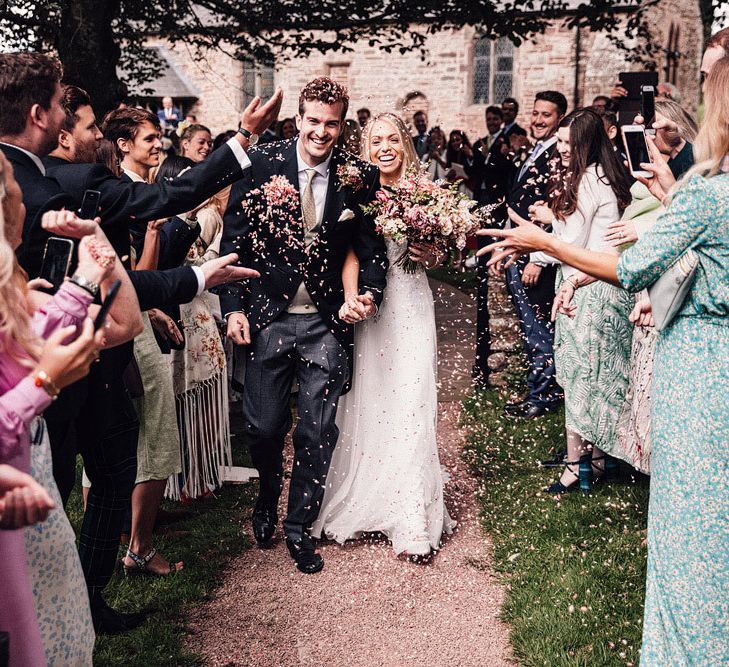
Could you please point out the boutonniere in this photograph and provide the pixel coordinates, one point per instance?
(350, 176)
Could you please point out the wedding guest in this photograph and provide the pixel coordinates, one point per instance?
(422, 140)
(532, 286)
(350, 137)
(169, 114)
(633, 441)
(510, 111)
(106, 155)
(601, 103)
(385, 474)
(588, 191)
(668, 91)
(196, 142)
(676, 146)
(363, 116)
(437, 155)
(158, 446)
(687, 588)
(223, 138)
(199, 371)
(32, 374)
(288, 128)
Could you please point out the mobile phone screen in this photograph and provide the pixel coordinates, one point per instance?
(89, 205)
(648, 106)
(637, 148)
(56, 260)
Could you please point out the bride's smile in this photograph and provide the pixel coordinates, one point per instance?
(386, 149)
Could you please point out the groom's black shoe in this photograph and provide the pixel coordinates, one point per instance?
(264, 525)
(302, 551)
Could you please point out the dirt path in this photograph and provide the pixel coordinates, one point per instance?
(368, 608)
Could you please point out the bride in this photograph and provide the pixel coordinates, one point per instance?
(385, 475)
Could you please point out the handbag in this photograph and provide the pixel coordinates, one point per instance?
(669, 292)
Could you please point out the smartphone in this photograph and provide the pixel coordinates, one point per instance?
(636, 149)
(648, 107)
(56, 260)
(108, 302)
(89, 205)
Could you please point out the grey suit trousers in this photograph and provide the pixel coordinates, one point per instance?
(301, 347)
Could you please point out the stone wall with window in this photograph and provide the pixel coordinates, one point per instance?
(461, 76)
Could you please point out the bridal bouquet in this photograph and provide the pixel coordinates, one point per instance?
(418, 210)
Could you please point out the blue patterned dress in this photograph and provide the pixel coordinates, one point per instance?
(686, 618)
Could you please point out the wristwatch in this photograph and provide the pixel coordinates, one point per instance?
(190, 221)
(83, 283)
(252, 138)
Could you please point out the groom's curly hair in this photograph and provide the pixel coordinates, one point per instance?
(325, 90)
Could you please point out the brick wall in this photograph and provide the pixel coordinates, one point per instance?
(381, 81)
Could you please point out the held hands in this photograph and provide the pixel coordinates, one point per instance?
(239, 329)
(23, 502)
(257, 118)
(165, 326)
(67, 363)
(357, 308)
(221, 271)
(620, 232)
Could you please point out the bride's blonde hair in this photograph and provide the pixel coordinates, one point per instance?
(712, 141)
(410, 157)
(17, 339)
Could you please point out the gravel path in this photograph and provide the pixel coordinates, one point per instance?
(368, 608)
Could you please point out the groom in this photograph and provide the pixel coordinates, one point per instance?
(293, 217)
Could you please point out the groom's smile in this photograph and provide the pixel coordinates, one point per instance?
(319, 128)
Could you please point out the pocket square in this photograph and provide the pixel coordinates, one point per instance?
(347, 214)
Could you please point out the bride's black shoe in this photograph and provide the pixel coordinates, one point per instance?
(582, 478)
(303, 552)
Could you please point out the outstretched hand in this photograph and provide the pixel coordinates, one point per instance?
(515, 243)
(67, 223)
(221, 271)
(257, 117)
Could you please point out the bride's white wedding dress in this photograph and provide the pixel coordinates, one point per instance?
(385, 473)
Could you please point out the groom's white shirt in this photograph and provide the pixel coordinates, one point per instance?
(319, 185)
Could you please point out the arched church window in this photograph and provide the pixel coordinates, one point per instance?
(493, 70)
(257, 80)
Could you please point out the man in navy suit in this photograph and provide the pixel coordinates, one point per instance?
(169, 115)
(531, 285)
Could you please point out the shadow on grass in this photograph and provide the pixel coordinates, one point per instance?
(574, 566)
(212, 537)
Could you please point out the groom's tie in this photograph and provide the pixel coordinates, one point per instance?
(308, 209)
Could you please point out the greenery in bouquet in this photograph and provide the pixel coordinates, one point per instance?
(419, 210)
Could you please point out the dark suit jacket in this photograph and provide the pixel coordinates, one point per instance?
(492, 171)
(279, 254)
(532, 186)
(123, 201)
(40, 194)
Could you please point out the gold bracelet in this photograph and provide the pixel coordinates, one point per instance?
(43, 381)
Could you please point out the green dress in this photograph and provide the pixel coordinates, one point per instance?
(686, 618)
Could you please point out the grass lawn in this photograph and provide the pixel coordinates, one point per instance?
(213, 536)
(574, 567)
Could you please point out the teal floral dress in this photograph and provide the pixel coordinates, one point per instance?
(686, 618)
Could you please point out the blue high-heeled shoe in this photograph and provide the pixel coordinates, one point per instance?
(583, 477)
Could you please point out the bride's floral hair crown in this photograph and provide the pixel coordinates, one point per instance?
(325, 90)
